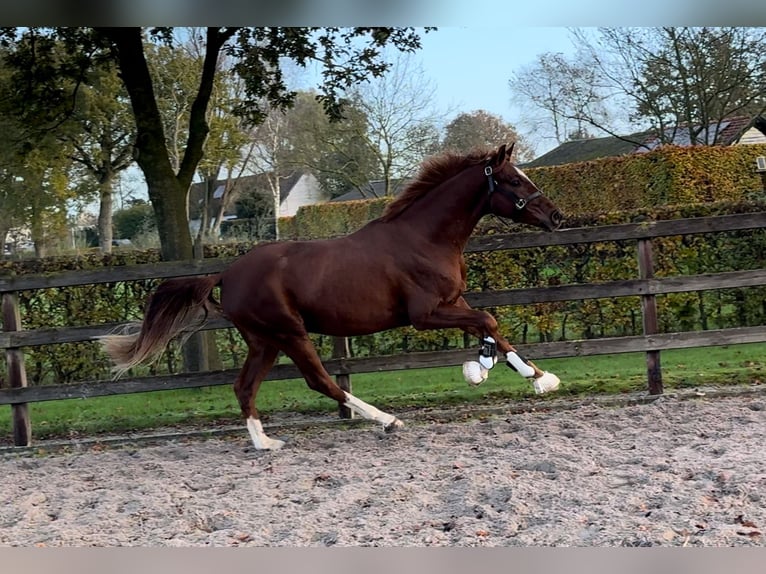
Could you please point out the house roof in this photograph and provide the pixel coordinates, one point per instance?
(371, 190)
(245, 185)
(724, 133)
(583, 150)
(728, 132)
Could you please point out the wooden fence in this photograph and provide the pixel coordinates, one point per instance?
(13, 338)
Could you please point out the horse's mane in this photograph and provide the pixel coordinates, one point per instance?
(434, 171)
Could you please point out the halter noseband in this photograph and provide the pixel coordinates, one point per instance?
(518, 202)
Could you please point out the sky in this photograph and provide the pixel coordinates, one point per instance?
(471, 66)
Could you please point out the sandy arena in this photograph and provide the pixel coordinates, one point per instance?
(682, 470)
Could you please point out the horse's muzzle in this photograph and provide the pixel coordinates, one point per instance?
(556, 219)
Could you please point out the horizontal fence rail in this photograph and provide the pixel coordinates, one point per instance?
(13, 338)
(624, 288)
(521, 240)
(418, 360)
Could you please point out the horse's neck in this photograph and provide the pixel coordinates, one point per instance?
(448, 214)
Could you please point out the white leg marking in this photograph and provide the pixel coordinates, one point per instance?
(390, 422)
(260, 440)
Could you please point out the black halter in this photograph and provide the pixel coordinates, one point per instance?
(518, 202)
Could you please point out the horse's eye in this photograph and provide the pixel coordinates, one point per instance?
(515, 182)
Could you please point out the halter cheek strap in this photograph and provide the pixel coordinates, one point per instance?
(518, 202)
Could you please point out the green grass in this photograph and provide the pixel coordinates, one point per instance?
(606, 374)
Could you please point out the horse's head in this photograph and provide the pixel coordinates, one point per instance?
(513, 195)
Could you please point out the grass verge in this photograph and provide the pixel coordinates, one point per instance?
(213, 406)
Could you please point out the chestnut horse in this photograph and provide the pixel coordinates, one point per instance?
(404, 268)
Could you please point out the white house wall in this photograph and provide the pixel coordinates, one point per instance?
(305, 192)
(752, 136)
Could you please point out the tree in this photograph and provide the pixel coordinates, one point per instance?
(336, 152)
(720, 72)
(269, 153)
(43, 192)
(34, 164)
(681, 79)
(560, 95)
(10, 205)
(102, 139)
(401, 119)
(479, 128)
(349, 56)
(227, 150)
(258, 210)
(134, 220)
(78, 102)
(176, 75)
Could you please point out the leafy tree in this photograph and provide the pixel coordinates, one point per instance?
(682, 78)
(77, 113)
(301, 139)
(134, 220)
(10, 206)
(258, 210)
(176, 75)
(269, 153)
(224, 148)
(34, 164)
(43, 182)
(102, 138)
(479, 128)
(348, 56)
(336, 152)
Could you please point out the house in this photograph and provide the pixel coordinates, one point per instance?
(373, 189)
(298, 189)
(740, 130)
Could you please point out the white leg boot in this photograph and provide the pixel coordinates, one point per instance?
(476, 372)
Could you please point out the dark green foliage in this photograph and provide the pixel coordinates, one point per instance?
(134, 220)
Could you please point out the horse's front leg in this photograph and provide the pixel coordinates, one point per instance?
(484, 326)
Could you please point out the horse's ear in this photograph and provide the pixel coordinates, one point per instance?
(499, 157)
(510, 151)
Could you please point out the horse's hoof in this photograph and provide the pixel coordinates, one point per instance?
(270, 444)
(474, 373)
(393, 425)
(546, 383)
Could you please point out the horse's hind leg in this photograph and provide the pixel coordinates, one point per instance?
(304, 355)
(260, 359)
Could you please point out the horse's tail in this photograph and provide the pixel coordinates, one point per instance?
(179, 307)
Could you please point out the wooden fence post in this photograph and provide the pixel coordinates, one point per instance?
(340, 350)
(649, 316)
(17, 374)
(195, 351)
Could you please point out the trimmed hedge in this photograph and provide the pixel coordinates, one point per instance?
(331, 219)
(668, 176)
